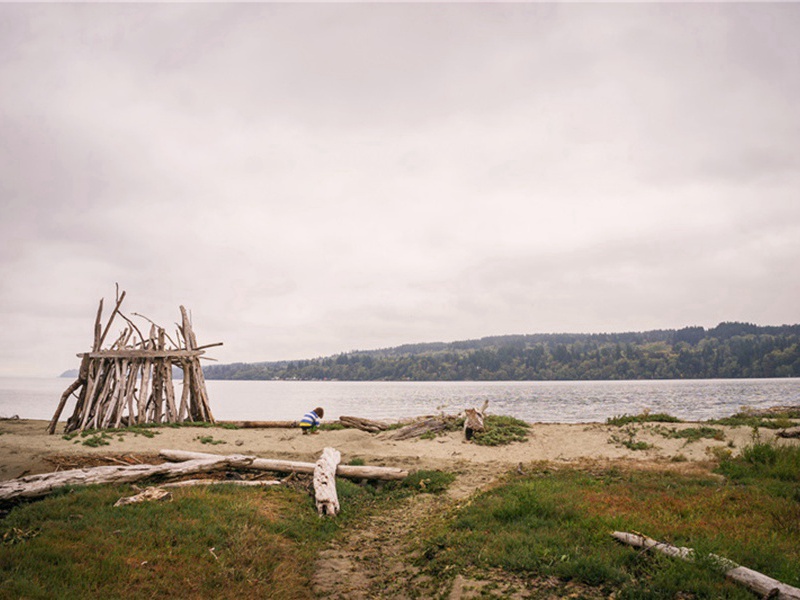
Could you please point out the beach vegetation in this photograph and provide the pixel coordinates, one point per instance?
(554, 526)
(643, 417)
(501, 430)
(209, 439)
(207, 542)
(691, 434)
(626, 437)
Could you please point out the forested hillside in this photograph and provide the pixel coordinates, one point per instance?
(726, 351)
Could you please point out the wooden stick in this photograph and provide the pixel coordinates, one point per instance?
(287, 466)
(766, 586)
(73, 386)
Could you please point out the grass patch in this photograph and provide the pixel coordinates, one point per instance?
(556, 524)
(692, 434)
(779, 420)
(215, 542)
(643, 417)
(501, 430)
(626, 437)
(209, 439)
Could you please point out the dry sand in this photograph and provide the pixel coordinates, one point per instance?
(26, 448)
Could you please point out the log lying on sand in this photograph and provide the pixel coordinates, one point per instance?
(767, 587)
(363, 424)
(260, 424)
(791, 432)
(35, 486)
(289, 466)
(432, 425)
(325, 482)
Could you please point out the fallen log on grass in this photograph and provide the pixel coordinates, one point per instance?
(35, 486)
(363, 424)
(761, 584)
(289, 466)
(325, 482)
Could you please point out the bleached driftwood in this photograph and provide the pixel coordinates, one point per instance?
(289, 466)
(432, 425)
(260, 424)
(474, 420)
(791, 432)
(236, 482)
(761, 584)
(34, 486)
(148, 495)
(363, 424)
(130, 381)
(325, 482)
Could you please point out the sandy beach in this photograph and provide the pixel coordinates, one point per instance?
(26, 448)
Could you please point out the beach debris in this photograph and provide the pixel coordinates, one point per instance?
(429, 425)
(148, 495)
(325, 482)
(35, 486)
(260, 424)
(130, 382)
(363, 424)
(791, 432)
(289, 466)
(474, 420)
(759, 583)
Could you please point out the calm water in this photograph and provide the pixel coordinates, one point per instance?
(562, 401)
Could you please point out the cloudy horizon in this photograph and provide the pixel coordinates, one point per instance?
(309, 179)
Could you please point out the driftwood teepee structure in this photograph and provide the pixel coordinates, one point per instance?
(130, 382)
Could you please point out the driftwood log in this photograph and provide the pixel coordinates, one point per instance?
(473, 421)
(35, 486)
(288, 466)
(761, 584)
(260, 424)
(325, 482)
(791, 432)
(363, 424)
(431, 425)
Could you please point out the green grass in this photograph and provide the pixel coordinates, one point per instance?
(501, 430)
(626, 437)
(214, 542)
(692, 434)
(557, 524)
(644, 417)
(209, 439)
(776, 421)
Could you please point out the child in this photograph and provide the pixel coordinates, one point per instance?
(311, 420)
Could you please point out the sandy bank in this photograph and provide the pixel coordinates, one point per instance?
(25, 447)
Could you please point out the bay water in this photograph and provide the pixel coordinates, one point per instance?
(532, 401)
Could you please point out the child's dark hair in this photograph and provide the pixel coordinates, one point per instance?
(319, 411)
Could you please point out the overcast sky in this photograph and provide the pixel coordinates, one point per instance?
(312, 179)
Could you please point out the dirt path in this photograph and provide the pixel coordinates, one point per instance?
(377, 558)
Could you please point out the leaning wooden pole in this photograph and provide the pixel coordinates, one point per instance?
(761, 584)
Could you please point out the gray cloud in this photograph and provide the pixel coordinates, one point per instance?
(316, 178)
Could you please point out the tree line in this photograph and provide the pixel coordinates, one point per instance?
(729, 350)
